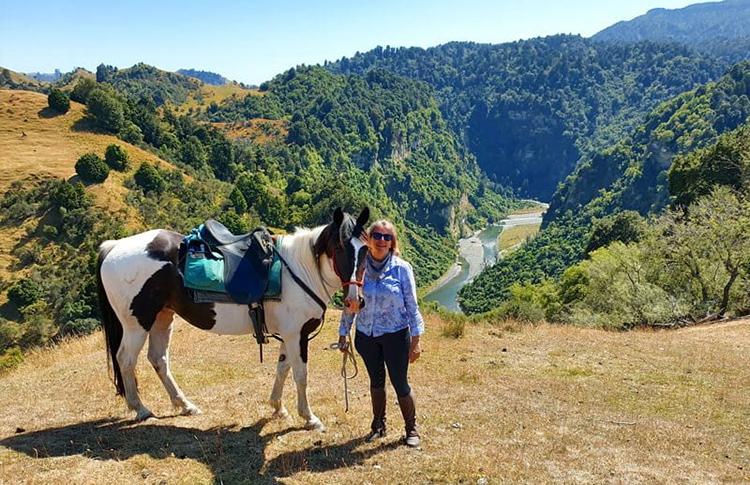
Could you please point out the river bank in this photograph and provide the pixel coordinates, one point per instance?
(474, 254)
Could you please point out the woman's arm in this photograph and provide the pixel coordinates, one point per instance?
(409, 290)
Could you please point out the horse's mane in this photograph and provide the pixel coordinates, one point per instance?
(302, 245)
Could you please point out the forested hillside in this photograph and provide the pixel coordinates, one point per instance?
(719, 28)
(529, 109)
(630, 175)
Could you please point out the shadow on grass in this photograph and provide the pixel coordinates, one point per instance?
(49, 113)
(233, 454)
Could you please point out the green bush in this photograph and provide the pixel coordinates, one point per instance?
(116, 157)
(24, 292)
(58, 101)
(148, 178)
(80, 326)
(106, 110)
(10, 358)
(92, 169)
(82, 89)
(131, 133)
(70, 196)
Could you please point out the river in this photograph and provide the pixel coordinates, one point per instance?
(474, 254)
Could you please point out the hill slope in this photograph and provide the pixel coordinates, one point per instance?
(529, 109)
(36, 144)
(538, 404)
(721, 28)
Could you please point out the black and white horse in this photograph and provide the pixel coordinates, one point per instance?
(140, 290)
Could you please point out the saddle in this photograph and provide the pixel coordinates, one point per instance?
(223, 267)
(219, 266)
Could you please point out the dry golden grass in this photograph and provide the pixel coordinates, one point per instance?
(208, 94)
(36, 144)
(515, 235)
(535, 404)
(258, 130)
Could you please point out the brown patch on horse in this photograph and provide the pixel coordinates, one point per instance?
(308, 328)
(165, 289)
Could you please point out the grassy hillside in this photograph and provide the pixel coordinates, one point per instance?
(506, 403)
(36, 144)
(202, 99)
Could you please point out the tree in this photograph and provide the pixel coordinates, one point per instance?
(116, 157)
(24, 292)
(92, 169)
(58, 101)
(149, 179)
(625, 226)
(82, 89)
(106, 109)
(70, 196)
(104, 73)
(237, 201)
(193, 153)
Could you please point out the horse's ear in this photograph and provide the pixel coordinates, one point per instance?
(338, 216)
(364, 216)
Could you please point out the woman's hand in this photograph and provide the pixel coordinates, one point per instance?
(343, 344)
(415, 350)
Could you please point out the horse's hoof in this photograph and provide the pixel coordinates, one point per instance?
(280, 414)
(315, 425)
(143, 415)
(191, 411)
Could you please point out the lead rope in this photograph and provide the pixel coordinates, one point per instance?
(347, 357)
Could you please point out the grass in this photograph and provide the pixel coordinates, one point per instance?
(208, 94)
(514, 236)
(537, 404)
(37, 144)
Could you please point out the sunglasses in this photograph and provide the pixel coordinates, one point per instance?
(379, 235)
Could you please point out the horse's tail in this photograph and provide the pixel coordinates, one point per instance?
(110, 321)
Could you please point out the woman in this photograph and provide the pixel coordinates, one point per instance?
(388, 327)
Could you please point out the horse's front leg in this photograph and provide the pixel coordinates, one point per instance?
(297, 356)
(282, 371)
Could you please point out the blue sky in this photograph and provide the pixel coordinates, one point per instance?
(251, 41)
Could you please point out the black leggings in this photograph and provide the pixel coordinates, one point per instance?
(391, 350)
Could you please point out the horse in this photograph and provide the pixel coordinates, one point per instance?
(141, 289)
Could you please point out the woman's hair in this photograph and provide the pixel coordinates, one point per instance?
(386, 224)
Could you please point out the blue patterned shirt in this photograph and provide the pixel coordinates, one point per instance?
(390, 301)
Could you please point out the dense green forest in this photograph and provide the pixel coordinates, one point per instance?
(529, 109)
(687, 264)
(632, 174)
(721, 29)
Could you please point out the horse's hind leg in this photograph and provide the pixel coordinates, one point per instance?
(282, 371)
(158, 355)
(133, 338)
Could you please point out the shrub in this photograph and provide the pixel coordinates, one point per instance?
(106, 110)
(24, 292)
(82, 89)
(80, 326)
(11, 358)
(131, 133)
(58, 101)
(70, 196)
(237, 201)
(116, 157)
(235, 223)
(148, 178)
(92, 169)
